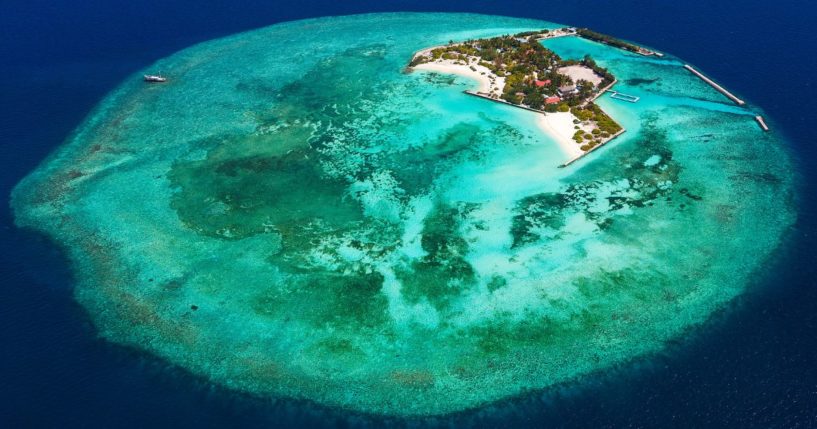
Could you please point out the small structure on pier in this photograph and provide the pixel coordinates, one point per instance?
(625, 97)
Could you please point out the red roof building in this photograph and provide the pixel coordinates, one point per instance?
(541, 83)
(552, 100)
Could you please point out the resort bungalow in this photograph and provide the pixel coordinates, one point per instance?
(552, 100)
(541, 83)
(567, 90)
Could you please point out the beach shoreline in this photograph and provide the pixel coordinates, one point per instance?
(560, 127)
(488, 82)
(575, 137)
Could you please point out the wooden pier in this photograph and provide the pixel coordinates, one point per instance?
(720, 89)
(762, 123)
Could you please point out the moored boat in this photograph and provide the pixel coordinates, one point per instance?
(155, 78)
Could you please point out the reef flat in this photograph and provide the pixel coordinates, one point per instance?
(292, 215)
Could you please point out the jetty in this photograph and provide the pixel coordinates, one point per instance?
(719, 88)
(762, 123)
(488, 97)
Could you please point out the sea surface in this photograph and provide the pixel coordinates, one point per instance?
(752, 365)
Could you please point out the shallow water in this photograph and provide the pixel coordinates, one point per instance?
(330, 228)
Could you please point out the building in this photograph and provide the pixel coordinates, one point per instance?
(552, 100)
(567, 90)
(541, 83)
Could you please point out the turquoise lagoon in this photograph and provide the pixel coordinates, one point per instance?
(294, 215)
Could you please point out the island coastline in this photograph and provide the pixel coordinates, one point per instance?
(567, 113)
(481, 75)
(392, 272)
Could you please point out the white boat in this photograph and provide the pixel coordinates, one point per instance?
(155, 78)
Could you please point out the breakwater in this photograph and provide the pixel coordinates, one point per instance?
(712, 83)
(499, 100)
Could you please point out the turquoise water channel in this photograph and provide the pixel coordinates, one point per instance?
(294, 215)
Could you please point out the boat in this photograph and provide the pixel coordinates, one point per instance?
(155, 78)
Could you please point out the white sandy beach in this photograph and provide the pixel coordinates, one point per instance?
(560, 125)
(482, 74)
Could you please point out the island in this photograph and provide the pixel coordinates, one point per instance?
(520, 71)
(292, 216)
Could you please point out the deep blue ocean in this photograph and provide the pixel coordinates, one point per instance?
(755, 365)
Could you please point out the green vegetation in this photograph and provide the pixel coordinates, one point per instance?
(604, 126)
(530, 70)
(520, 59)
(607, 78)
(532, 33)
(531, 77)
(609, 40)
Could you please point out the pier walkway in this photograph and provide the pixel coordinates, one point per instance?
(625, 97)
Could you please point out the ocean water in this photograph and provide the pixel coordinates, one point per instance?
(142, 376)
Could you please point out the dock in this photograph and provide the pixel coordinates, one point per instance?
(720, 89)
(762, 123)
(624, 97)
(603, 90)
